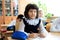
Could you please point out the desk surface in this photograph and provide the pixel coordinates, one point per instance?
(52, 36)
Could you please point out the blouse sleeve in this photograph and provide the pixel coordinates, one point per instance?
(42, 29)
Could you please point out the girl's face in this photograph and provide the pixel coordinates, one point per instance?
(40, 13)
(32, 13)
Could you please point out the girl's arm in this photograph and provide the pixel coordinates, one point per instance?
(20, 26)
(42, 31)
(18, 23)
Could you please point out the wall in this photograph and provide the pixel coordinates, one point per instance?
(22, 4)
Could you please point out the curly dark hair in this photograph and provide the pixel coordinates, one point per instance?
(20, 16)
(28, 7)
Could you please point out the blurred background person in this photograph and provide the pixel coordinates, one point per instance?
(11, 25)
(41, 16)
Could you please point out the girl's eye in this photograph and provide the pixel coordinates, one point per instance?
(30, 11)
(34, 11)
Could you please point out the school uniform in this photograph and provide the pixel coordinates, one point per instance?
(31, 26)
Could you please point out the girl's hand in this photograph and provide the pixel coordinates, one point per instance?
(33, 35)
(41, 35)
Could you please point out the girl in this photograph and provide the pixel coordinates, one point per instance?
(30, 25)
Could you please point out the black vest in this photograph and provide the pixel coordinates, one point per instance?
(31, 28)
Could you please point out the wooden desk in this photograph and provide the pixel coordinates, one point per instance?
(55, 33)
(4, 24)
(7, 34)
